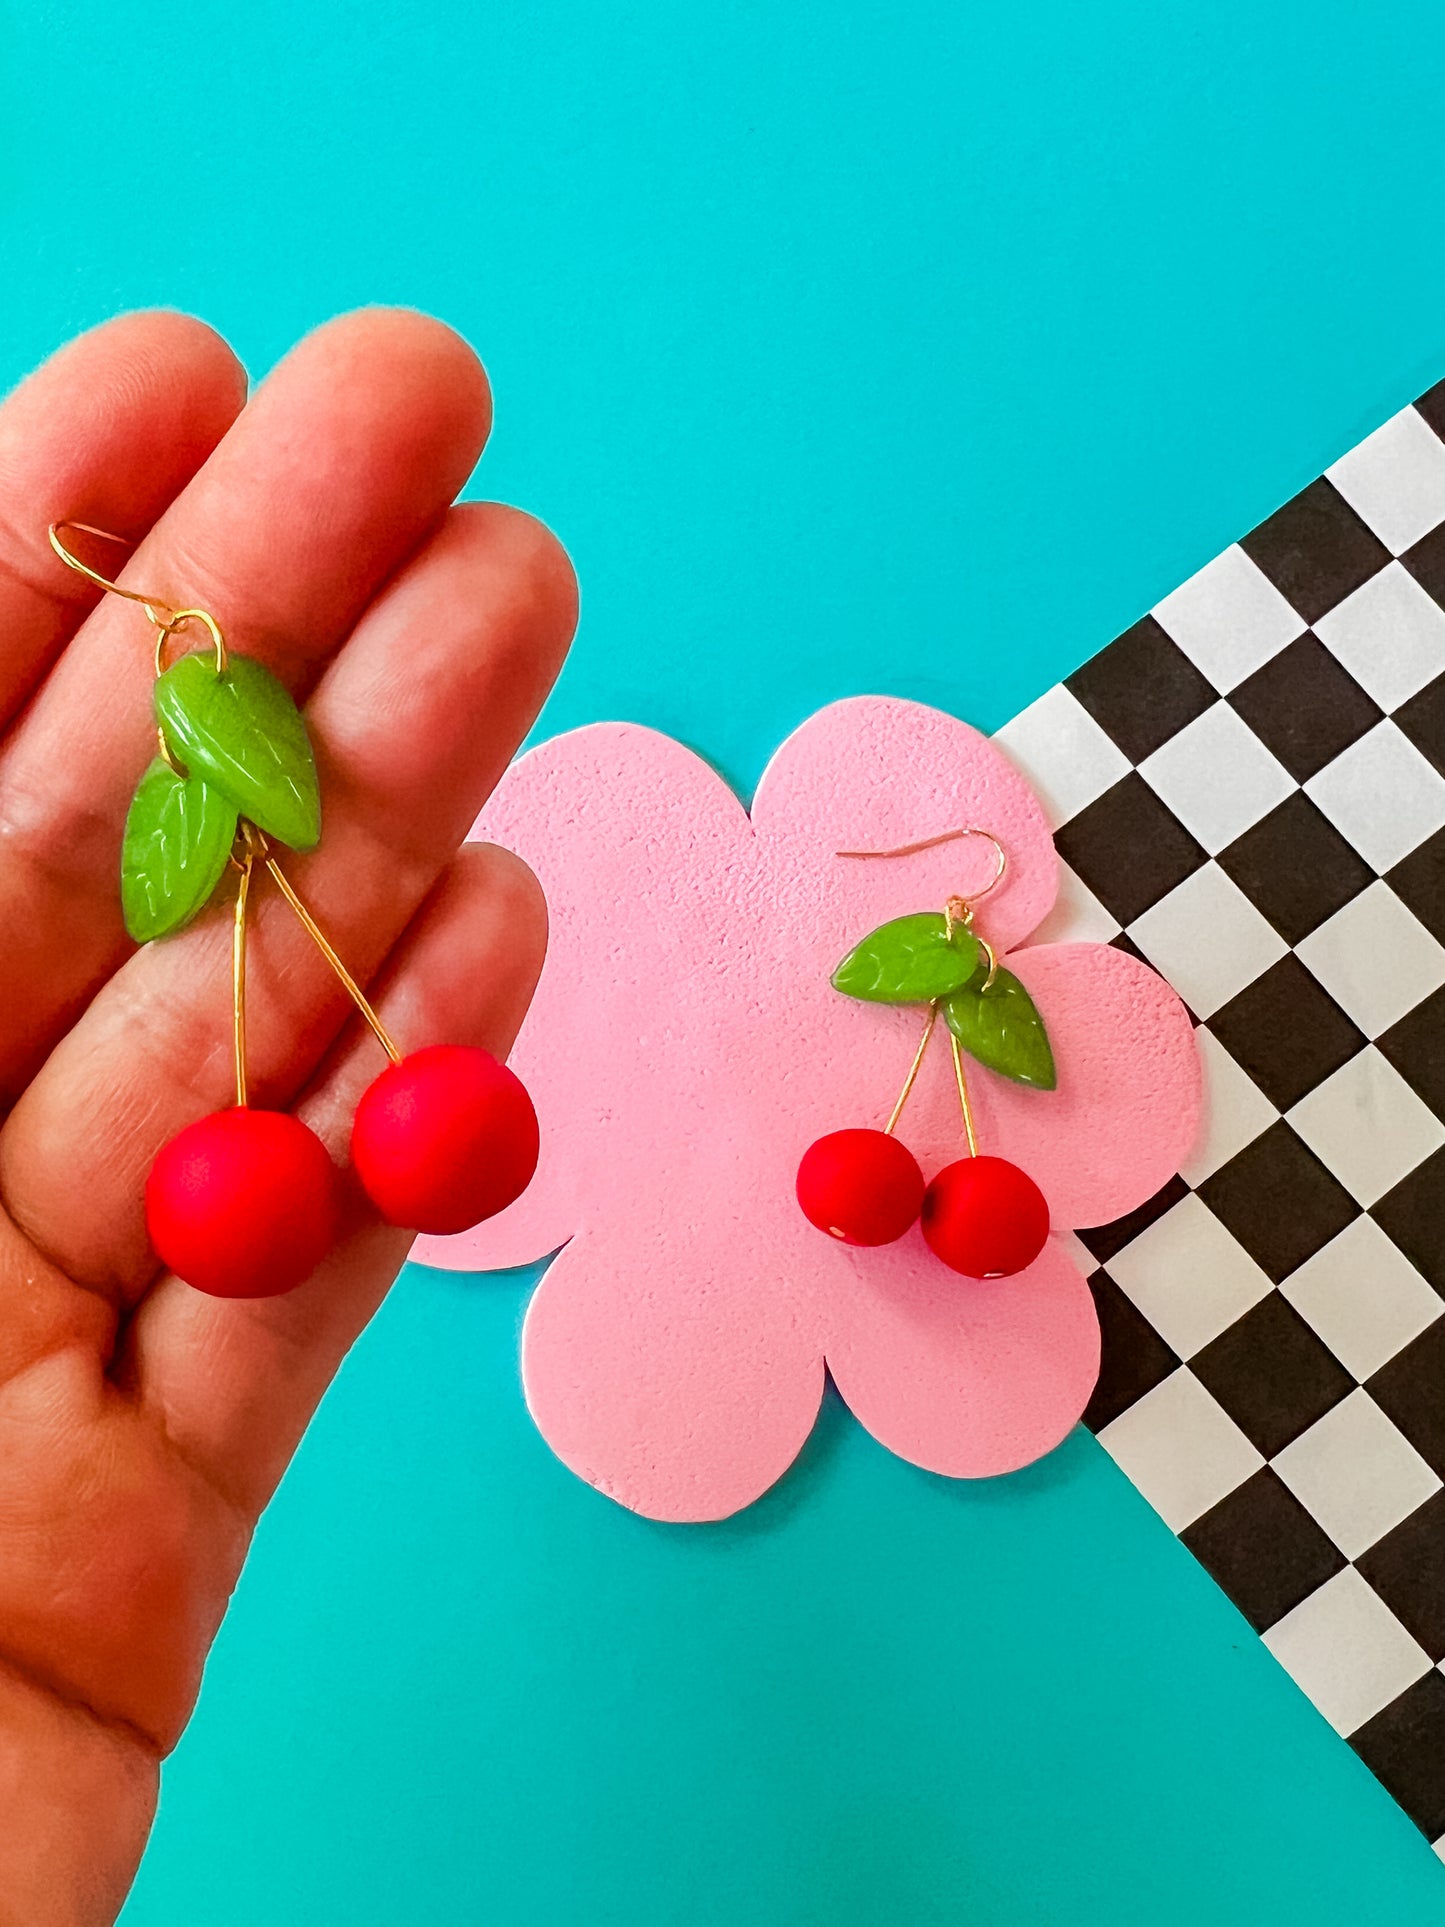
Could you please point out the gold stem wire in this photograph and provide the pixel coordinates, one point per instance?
(913, 1070)
(964, 1104)
(353, 989)
(238, 977)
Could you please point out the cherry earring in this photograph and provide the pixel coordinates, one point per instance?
(981, 1215)
(245, 1202)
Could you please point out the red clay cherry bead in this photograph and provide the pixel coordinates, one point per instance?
(984, 1217)
(243, 1204)
(860, 1186)
(445, 1138)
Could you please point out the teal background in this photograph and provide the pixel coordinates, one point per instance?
(848, 348)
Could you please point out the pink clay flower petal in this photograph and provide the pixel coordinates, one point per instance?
(875, 773)
(676, 1371)
(632, 838)
(969, 1377)
(1126, 1109)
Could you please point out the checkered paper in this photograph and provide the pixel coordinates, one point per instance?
(1248, 791)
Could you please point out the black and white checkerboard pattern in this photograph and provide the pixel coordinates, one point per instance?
(1248, 789)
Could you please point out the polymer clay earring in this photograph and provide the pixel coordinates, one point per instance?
(982, 1215)
(246, 1203)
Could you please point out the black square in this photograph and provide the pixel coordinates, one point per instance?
(1128, 848)
(1410, 1390)
(1305, 707)
(1287, 1032)
(1271, 1374)
(1407, 1569)
(1103, 1240)
(1432, 406)
(1264, 1549)
(1316, 550)
(1416, 1047)
(1142, 689)
(1404, 1747)
(1413, 1214)
(1426, 562)
(1279, 1201)
(1123, 942)
(1133, 1357)
(1296, 867)
(1418, 880)
(1422, 717)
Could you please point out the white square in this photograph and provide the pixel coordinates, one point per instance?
(1363, 1297)
(1382, 795)
(1217, 777)
(1375, 958)
(1347, 1650)
(1367, 1125)
(1066, 756)
(1389, 634)
(1181, 1448)
(1077, 915)
(1395, 480)
(1207, 939)
(1189, 1276)
(1229, 619)
(1356, 1473)
(1235, 1111)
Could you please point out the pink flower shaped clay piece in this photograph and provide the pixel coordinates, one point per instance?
(686, 1046)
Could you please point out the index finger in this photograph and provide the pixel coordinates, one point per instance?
(109, 430)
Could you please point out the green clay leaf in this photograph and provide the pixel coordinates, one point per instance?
(1002, 1028)
(239, 730)
(178, 837)
(911, 960)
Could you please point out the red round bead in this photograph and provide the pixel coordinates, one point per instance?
(861, 1186)
(984, 1217)
(243, 1204)
(445, 1138)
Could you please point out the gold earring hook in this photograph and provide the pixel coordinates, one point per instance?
(149, 603)
(165, 619)
(957, 909)
(947, 836)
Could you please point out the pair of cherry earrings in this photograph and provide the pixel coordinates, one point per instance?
(246, 1203)
(982, 1215)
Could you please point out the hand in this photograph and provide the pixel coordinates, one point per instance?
(143, 1426)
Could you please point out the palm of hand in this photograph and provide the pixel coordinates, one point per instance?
(143, 1426)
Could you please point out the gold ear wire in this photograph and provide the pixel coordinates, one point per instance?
(166, 619)
(149, 603)
(932, 843)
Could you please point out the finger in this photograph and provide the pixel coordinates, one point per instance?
(332, 476)
(233, 1383)
(412, 726)
(108, 431)
(78, 1797)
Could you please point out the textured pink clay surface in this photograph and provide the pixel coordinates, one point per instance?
(684, 1049)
